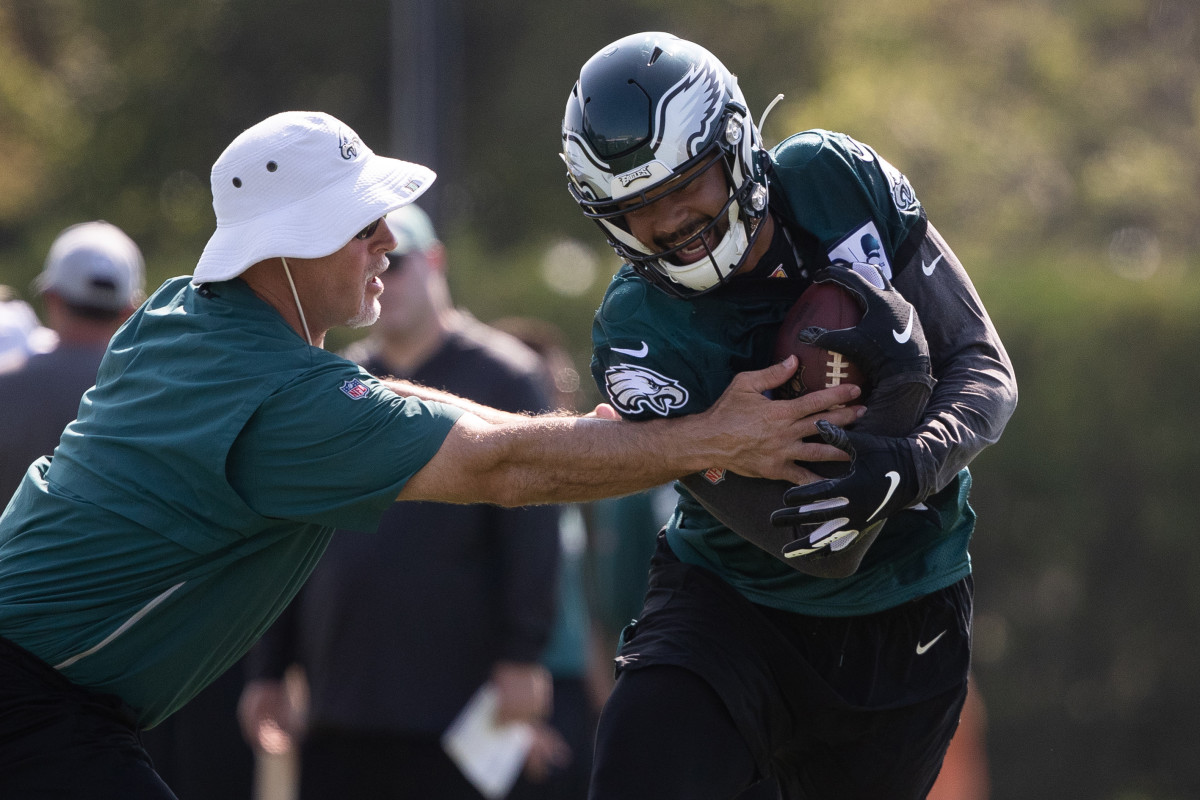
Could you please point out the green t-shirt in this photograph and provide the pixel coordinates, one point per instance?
(194, 494)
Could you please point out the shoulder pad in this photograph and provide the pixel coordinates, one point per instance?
(798, 149)
(623, 300)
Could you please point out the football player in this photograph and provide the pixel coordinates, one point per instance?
(814, 651)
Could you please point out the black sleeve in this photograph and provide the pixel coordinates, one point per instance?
(976, 391)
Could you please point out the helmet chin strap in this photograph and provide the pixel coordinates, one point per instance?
(296, 297)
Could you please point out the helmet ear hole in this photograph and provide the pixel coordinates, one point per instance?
(758, 198)
(733, 131)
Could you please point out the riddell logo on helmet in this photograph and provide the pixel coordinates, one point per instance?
(633, 175)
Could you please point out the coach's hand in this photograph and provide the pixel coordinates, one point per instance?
(764, 438)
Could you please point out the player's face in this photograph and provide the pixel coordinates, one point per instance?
(346, 284)
(682, 209)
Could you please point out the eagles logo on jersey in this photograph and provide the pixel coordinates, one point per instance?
(636, 390)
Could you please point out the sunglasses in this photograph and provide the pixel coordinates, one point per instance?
(369, 231)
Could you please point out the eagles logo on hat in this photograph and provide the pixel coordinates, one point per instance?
(299, 184)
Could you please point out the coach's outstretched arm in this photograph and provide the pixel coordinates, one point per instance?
(512, 460)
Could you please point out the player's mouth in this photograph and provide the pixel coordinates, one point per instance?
(695, 250)
(697, 244)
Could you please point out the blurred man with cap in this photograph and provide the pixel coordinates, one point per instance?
(378, 704)
(21, 332)
(92, 281)
(222, 446)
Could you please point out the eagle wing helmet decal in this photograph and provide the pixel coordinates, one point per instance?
(636, 390)
(697, 96)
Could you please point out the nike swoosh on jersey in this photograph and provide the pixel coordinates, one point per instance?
(894, 477)
(928, 270)
(906, 334)
(922, 649)
(641, 352)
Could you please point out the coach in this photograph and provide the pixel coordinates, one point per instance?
(222, 445)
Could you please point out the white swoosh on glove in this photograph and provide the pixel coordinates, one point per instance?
(904, 335)
(894, 477)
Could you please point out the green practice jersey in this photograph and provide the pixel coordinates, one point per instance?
(656, 355)
(191, 498)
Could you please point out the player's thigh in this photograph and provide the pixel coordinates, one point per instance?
(665, 733)
(896, 753)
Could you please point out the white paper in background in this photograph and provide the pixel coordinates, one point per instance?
(490, 756)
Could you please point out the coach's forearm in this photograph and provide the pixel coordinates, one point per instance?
(487, 413)
(570, 459)
(513, 460)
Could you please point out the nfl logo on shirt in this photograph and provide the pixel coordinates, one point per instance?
(355, 389)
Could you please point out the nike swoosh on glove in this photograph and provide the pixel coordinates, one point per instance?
(881, 481)
(889, 340)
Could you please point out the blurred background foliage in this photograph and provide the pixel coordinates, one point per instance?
(1055, 143)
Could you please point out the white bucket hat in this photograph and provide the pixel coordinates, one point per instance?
(299, 185)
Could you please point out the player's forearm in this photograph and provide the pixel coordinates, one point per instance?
(976, 390)
(966, 415)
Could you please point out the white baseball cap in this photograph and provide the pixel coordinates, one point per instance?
(299, 184)
(21, 334)
(95, 265)
(413, 231)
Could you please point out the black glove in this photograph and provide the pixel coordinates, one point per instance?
(881, 481)
(888, 341)
(744, 505)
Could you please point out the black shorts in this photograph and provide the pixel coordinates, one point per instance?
(830, 707)
(60, 740)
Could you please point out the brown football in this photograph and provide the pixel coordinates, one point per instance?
(824, 305)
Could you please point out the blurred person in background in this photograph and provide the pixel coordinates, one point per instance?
(93, 279)
(396, 630)
(21, 332)
(621, 536)
(569, 655)
(808, 640)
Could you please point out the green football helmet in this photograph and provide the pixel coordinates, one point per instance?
(646, 109)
